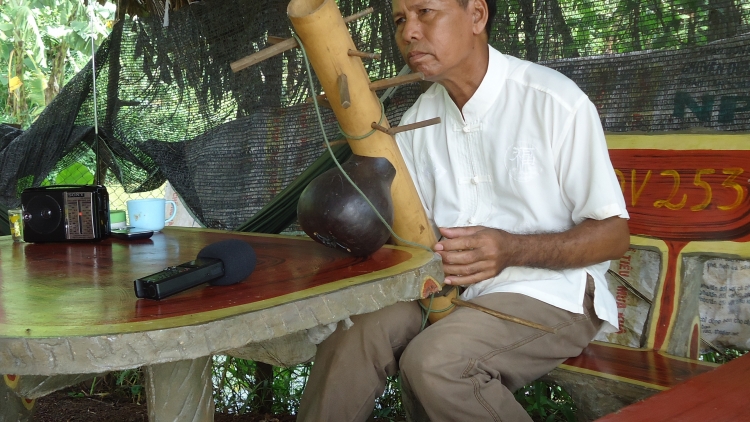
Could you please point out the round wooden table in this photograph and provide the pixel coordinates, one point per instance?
(68, 310)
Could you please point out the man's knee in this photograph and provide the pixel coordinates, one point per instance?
(421, 359)
(395, 325)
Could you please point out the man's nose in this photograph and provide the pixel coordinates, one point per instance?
(412, 30)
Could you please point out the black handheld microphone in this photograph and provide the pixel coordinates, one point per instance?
(221, 264)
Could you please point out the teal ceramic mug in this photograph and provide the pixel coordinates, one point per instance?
(149, 213)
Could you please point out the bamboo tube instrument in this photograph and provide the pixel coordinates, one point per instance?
(326, 38)
(349, 93)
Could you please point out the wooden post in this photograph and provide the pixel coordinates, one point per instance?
(324, 34)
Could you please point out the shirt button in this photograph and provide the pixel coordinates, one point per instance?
(466, 129)
(475, 180)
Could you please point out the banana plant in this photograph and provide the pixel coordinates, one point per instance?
(44, 43)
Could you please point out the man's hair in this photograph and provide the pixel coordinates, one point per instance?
(491, 10)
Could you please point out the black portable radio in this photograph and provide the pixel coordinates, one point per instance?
(65, 213)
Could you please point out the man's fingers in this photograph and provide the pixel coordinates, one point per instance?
(467, 273)
(461, 243)
(459, 257)
(453, 232)
(465, 280)
(471, 254)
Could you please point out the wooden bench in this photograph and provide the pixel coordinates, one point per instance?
(717, 396)
(687, 195)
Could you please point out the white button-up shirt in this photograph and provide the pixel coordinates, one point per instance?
(527, 155)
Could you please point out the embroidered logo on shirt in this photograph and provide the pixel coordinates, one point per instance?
(522, 163)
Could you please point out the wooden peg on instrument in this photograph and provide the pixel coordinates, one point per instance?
(275, 40)
(358, 15)
(343, 91)
(334, 143)
(364, 55)
(396, 81)
(281, 45)
(398, 129)
(264, 54)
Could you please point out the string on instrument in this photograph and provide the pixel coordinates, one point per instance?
(330, 151)
(359, 138)
(426, 311)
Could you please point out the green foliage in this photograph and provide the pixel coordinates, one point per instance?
(388, 406)
(553, 29)
(236, 390)
(122, 384)
(75, 174)
(546, 402)
(722, 357)
(131, 381)
(43, 43)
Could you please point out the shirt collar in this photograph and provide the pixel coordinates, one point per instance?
(483, 99)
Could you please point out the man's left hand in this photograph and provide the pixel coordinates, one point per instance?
(473, 254)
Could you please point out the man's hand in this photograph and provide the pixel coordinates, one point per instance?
(474, 254)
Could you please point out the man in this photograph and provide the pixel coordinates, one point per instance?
(518, 181)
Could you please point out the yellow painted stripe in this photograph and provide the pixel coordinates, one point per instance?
(680, 142)
(688, 360)
(612, 377)
(667, 355)
(721, 247)
(614, 345)
(661, 246)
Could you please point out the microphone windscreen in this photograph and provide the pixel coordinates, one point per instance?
(238, 257)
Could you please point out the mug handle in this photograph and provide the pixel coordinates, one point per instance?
(174, 211)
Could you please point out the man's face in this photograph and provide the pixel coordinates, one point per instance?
(436, 37)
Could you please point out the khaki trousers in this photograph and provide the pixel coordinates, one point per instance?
(465, 367)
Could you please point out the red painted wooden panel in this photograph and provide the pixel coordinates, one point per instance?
(717, 396)
(642, 365)
(681, 196)
(686, 195)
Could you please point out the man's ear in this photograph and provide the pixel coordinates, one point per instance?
(479, 10)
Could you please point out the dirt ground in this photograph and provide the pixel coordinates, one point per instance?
(61, 407)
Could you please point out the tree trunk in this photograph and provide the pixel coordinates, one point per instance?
(724, 19)
(17, 98)
(635, 26)
(691, 40)
(57, 73)
(277, 24)
(263, 400)
(529, 29)
(562, 28)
